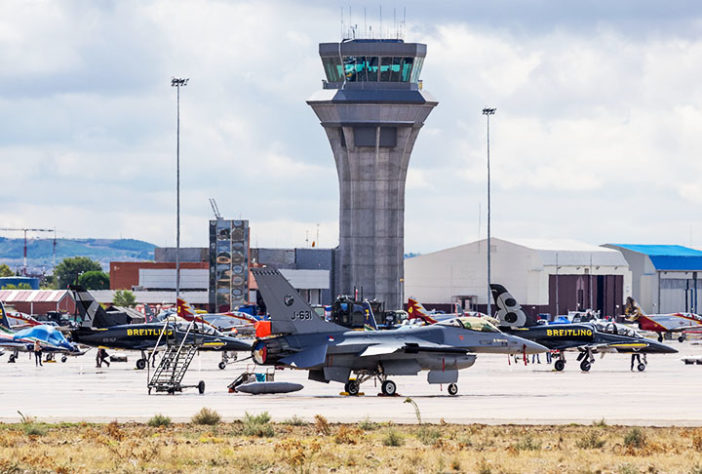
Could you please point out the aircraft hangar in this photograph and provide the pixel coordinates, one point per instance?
(666, 278)
(546, 276)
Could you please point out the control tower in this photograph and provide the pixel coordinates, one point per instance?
(372, 106)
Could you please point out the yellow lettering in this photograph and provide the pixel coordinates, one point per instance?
(129, 332)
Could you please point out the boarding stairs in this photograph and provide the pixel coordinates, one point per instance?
(174, 363)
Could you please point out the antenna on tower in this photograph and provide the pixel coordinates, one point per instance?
(380, 7)
(342, 23)
(404, 20)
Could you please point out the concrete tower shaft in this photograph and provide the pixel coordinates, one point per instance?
(372, 109)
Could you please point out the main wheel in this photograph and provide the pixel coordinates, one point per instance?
(681, 339)
(641, 367)
(64, 359)
(452, 389)
(222, 365)
(389, 388)
(141, 364)
(352, 387)
(559, 365)
(585, 365)
(201, 387)
(660, 337)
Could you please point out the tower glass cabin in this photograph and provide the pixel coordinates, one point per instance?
(372, 106)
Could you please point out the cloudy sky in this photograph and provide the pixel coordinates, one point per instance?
(597, 136)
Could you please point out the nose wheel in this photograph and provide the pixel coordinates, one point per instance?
(585, 365)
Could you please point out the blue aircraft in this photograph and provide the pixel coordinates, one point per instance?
(51, 339)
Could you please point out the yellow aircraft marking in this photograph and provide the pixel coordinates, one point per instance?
(631, 344)
(213, 344)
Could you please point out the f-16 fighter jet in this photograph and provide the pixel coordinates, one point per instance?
(586, 338)
(329, 352)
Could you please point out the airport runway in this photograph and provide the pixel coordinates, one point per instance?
(492, 391)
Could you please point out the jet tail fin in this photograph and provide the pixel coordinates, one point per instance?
(369, 323)
(632, 310)
(416, 310)
(91, 313)
(290, 313)
(5, 321)
(509, 312)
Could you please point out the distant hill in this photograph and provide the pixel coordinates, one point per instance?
(40, 252)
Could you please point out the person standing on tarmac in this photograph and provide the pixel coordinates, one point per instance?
(37, 354)
(102, 357)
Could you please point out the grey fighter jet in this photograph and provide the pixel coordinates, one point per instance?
(302, 340)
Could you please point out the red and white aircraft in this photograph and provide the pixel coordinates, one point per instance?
(662, 323)
(416, 310)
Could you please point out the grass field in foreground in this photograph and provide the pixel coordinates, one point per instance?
(254, 444)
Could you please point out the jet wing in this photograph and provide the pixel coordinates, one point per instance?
(410, 348)
(16, 345)
(307, 358)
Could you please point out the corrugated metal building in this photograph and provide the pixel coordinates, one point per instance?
(546, 276)
(38, 301)
(665, 278)
(158, 275)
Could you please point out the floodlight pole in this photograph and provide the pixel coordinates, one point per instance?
(178, 83)
(488, 112)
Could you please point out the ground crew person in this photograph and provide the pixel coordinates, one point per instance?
(37, 354)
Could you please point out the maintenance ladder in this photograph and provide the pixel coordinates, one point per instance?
(168, 376)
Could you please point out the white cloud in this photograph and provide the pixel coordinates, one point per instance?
(596, 135)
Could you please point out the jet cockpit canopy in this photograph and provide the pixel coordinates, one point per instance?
(470, 323)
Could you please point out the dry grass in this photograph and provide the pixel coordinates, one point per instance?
(117, 447)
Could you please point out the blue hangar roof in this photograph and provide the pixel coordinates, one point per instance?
(669, 257)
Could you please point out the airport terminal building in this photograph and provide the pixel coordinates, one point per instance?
(546, 276)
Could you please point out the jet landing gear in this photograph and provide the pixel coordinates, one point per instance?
(141, 363)
(559, 365)
(586, 359)
(387, 387)
(227, 359)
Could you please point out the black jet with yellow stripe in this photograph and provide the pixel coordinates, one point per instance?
(586, 338)
(93, 331)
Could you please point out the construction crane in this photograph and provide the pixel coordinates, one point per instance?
(215, 209)
(25, 230)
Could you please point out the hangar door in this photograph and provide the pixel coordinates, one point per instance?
(679, 295)
(602, 293)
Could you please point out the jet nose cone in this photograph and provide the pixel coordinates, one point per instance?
(526, 346)
(532, 347)
(661, 348)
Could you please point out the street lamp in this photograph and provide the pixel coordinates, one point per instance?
(178, 82)
(488, 112)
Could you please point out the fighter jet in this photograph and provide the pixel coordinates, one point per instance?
(142, 337)
(586, 338)
(662, 323)
(51, 339)
(330, 352)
